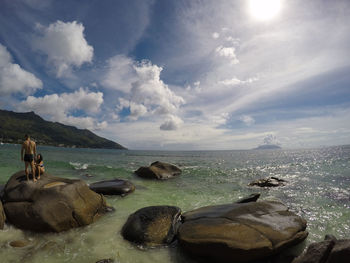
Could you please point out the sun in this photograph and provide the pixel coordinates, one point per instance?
(264, 9)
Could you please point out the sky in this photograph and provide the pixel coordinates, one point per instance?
(184, 74)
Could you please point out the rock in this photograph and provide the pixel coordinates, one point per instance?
(2, 186)
(159, 170)
(250, 198)
(113, 187)
(19, 243)
(107, 260)
(52, 204)
(340, 252)
(316, 252)
(240, 232)
(330, 250)
(2, 216)
(153, 225)
(268, 182)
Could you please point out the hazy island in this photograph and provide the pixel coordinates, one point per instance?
(267, 147)
(13, 126)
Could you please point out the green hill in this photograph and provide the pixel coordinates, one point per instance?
(13, 127)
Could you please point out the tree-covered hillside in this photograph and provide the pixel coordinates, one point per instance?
(13, 127)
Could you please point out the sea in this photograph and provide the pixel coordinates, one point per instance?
(317, 188)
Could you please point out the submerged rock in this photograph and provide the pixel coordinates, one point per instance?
(330, 250)
(240, 232)
(20, 243)
(250, 198)
(113, 187)
(2, 216)
(153, 225)
(106, 260)
(268, 182)
(159, 170)
(51, 204)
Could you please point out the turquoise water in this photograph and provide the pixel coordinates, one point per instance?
(318, 189)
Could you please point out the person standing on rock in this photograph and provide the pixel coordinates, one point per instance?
(28, 152)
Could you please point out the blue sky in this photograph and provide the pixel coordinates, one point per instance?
(182, 75)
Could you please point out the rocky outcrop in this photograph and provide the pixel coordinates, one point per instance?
(51, 204)
(330, 250)
(113, 187)
(159, 170)
(2, 216)
(268, 182)
(153, 225)
(240, 232)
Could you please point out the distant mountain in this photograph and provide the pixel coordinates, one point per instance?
(13, 127)
(268, 147)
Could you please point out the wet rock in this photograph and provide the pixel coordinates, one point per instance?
(2, 216)
(250, 198)
(113, 187)
(340, 252)
(20, 243)
(107, 260)
(2, 186)
(51, 204)
(268, 182)
(159, 170)
(316, 252)
(153, 225)
(240, 232)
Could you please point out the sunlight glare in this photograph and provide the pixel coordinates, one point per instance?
(264, 9)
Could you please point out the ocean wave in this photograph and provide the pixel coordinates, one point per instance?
(79, 166)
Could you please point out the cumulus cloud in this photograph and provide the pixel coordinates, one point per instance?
(171, 124)
(270, 139)
(65, 46)
(143, 92)
(59, 107)
(227, 52)
(248, 120)
(14, 79)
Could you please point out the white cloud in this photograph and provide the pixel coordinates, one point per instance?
(59, 107)
(171, 124)
(228, 52)
(235, 81)
(143, 92)
(270, 139)
(215, 35)
(65, 46)
(248, 120)
(14, 79)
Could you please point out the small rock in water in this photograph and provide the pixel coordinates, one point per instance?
(250, 198)
(113, 187)
(153, 225)
(88, 175)
(159, 170)
(20, 243)
(268, 182)
(108, 260)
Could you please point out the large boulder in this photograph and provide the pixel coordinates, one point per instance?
(159, 170)
(330, 250)
(153, 225)
(2, 216)
(240, 232)
(113, 187)
(51, 204)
